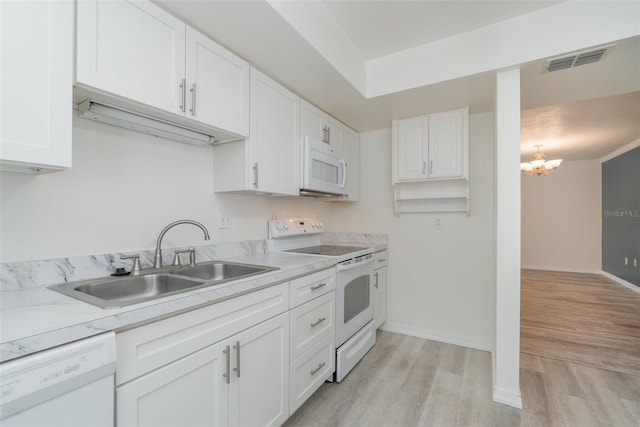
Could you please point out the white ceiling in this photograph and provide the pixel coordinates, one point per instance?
(255, 31)
(379, 28)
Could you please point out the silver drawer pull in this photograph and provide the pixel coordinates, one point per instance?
(315, 371)
(237, 349)
(382, 260)
(226, 375)
(318, 286)
(320, 320)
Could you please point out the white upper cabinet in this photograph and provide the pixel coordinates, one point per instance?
(275, 150)
(431, 147)
(36, 85)
(132, 49)
(136, 51)
(351, 150)
(318, 124)
(411, 147)
(219, 85)
(447, 145)
(267, 162)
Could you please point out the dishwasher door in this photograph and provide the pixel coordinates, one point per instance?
(70, 385)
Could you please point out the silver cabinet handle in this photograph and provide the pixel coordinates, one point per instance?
(237, 368)
(183, 86)
(328, 135)
(430, 167)
(424, 167)
(255, 175)
(382, 260)
(193, 99)
(325, 134)
(318, 286)
(316, 323)
(228, 365)
(315, 371)
(376, 284)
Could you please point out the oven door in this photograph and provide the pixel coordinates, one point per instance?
(354, 296)
(322, 169)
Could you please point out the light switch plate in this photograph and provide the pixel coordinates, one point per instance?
(224, 220)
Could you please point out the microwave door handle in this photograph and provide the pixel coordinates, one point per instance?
(344, 173)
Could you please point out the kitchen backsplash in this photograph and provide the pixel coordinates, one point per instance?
(41, 273)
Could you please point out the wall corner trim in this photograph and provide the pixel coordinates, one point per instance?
(620, 281)
(620, 151)
(507, 398)
(437, 336)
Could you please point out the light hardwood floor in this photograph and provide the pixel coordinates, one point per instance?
(584, 318)
(408, 381)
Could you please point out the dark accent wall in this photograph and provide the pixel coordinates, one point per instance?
(621, 216)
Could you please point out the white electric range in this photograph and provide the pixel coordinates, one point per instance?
(355, 331)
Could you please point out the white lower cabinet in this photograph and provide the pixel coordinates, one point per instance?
(247, 361)
(380, 289)
(313, 335)
(189, 392)
(241, 381)
(259, 383)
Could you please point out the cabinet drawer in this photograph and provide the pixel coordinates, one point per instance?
(310, 370)
(381, 259)
(309, 287)
(311, 322)
(149, 347)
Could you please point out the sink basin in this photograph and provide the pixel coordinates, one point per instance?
(123, 291)
(120, 292)
(220, 271)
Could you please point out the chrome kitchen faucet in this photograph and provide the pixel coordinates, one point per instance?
(157, 259)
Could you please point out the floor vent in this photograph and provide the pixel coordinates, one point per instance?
(576, 59)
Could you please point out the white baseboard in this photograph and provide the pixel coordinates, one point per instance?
(507, 398)
(621, 281)
(437, 336)
(563, 269)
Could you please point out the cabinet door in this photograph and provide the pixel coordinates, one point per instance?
(334, 132)
(351, 149)
(259, 389)
(446, 145)
(274, 143)
(380, 295)
(132, 49)
(217, 83)
(189, 392)
(411, 148)
(312, 122)
(36, 85)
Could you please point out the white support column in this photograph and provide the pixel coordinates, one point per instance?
(506, 382)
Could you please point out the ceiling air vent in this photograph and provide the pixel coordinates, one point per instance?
(576, 59)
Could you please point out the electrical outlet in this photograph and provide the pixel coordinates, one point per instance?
(224, 220)
(437, 222)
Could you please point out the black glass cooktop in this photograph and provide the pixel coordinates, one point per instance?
(328, 250)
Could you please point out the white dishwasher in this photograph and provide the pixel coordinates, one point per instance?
(70, 385)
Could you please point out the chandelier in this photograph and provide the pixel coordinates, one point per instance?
(539, 166)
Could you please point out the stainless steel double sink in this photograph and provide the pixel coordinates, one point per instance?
(115, 292)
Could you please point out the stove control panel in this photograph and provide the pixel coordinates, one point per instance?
(285, 227)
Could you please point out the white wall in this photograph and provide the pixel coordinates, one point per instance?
(123, 188)
(440, 280)
(562, 219)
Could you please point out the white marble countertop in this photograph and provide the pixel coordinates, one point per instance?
(35, 319)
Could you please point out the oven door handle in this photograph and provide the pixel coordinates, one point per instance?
(343, 267)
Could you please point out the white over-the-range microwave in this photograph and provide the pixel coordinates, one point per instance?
(323, 169)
